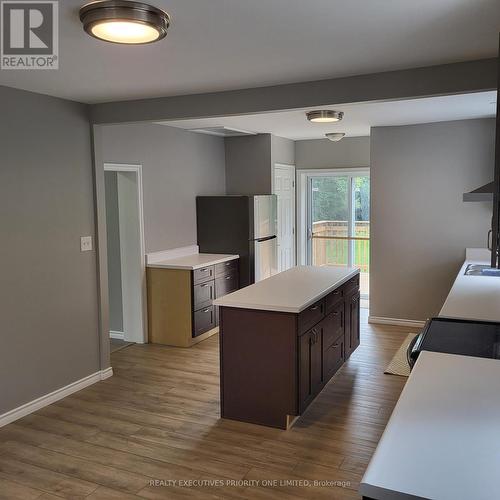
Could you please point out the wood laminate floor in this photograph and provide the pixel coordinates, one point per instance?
(158, 420)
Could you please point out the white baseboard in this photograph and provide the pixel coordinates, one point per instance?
(113, 334)
(52, 397)
(108, 372)
(410, 323)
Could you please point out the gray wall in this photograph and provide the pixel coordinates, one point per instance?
(114, 257)
(48, 297)
(177, 166)
(248, 164)
(250, 160)
(283, 150)
(322, 153)
(420, 226)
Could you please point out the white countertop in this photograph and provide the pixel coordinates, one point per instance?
(290, 291)
(443, 439)
(474, 297)
(193, 261)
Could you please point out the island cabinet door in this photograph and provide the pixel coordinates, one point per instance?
(333, 342)
(310, 367)
(352, 333)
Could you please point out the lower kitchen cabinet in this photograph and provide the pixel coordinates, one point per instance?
(310, 367)
(321, 354)
(281, 361)
(180, 309)
(352, 306)
(324, 348)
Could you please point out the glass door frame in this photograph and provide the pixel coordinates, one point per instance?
(305, 201)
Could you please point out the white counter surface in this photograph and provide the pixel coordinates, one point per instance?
(193, 261)
(474, 297)
(443, 439)
(290, 291)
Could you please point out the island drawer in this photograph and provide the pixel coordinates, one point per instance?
(353, 283)
(203, 294)
(203, 274)
(226, 284)
(204, 320)
(333, 298)
(333, 326)
(311, 316)
(231, 266)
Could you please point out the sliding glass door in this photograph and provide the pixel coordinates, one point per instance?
(338, 226)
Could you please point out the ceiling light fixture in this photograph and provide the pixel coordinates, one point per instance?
(120, 21)
(324, 116)
(335, 136)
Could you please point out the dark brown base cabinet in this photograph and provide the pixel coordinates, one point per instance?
(273, 364)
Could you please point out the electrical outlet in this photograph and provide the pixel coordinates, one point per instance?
(86, 243)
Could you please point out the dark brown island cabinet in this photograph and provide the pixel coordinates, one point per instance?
(274, 363)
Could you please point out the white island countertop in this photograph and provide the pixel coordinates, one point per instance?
(474, 297)
(193, 261)
(443, 439)
(291, 291)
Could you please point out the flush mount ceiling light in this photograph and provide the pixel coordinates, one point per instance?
(324, 116)
(335, 136)
(121, 21)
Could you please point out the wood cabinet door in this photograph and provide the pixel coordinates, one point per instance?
(333, 342)
(354, 312)
(352, 334)
(305, 381)
(310, 367)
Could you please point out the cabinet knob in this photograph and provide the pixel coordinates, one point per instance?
(206, 311)
(314, 308)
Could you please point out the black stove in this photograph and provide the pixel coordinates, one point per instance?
(456, 336)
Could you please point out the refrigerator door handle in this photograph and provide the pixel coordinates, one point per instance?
(260, 240)
(266, 258)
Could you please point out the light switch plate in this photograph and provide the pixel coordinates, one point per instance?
(86, 243)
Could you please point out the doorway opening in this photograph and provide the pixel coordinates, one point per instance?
(126, 255)
(336, 220)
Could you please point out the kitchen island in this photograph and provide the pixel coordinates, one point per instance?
(282, 339)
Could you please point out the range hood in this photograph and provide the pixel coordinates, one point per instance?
(484, 193)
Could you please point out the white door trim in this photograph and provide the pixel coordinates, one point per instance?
(302, 202)
(293, 169)
(125, 167)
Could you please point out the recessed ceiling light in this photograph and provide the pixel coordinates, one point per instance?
(324, 116)
(335, 136)
(121, 21)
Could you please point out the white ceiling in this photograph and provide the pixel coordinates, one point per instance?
(358, 118)
(226, 44)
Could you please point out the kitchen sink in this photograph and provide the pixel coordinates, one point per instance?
(481, 270)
